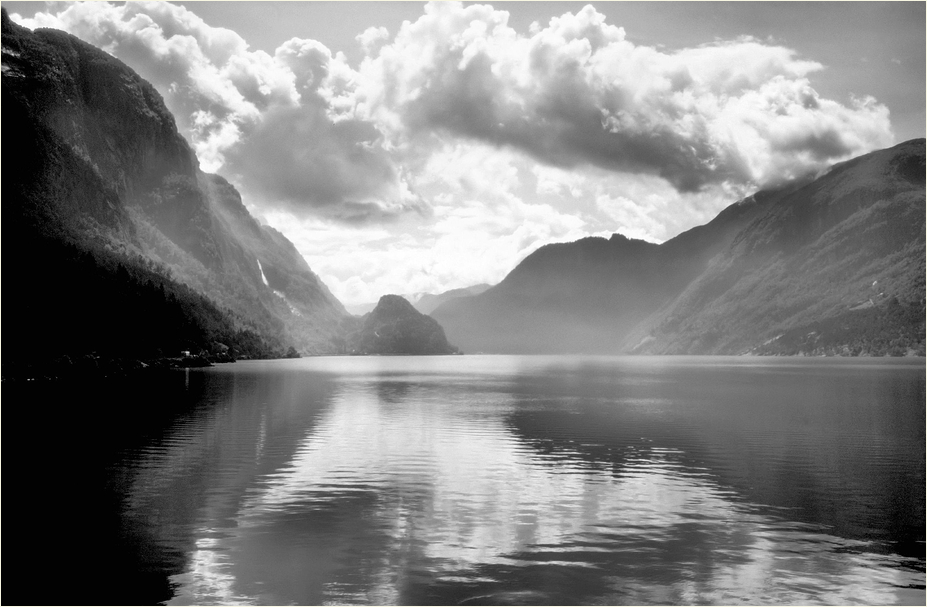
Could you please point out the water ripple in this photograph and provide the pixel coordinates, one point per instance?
(524, 480)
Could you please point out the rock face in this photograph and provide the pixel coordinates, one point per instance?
(396, 327)
(788, 271)
(99, 168)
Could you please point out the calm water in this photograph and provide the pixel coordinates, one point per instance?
(515, 480)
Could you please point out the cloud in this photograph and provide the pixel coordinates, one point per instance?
(457, 146)
(551, 180)
(281, 126)
(372, 37)
(578, 93)
(480, 228)
(629, 215)
(305, 130)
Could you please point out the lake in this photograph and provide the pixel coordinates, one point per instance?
(476, 480)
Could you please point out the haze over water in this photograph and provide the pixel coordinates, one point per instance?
(537, 480)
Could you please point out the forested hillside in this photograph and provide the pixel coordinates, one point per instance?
(117, 246)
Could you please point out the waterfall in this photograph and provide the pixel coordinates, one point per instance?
(264, 278)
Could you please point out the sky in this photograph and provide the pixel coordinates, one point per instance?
(412, 147)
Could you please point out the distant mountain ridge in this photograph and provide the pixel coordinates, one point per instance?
(766, 266)
(424, 302)
(95, 166)
(427, 303)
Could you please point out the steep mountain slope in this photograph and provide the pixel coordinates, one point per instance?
(850, 241)
(773, 263)
(95, 164)
(395, 327)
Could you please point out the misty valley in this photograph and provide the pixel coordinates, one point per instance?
(734, 415)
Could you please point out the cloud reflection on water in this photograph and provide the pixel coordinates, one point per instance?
(415, 490)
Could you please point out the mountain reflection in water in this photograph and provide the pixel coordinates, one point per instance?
(541, 480)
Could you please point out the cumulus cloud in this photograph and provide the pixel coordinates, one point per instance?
(281, 126)
(305, 129)
(372, 37)
(479, 229)
(475, 143)
(577, 92)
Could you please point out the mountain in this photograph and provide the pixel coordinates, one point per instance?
(586, 296)
(841, 253)
(115, 225)
(423, 302)
(396, 327)
(848, 246)
(427, 302)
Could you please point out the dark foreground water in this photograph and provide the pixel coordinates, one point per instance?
(477, 480)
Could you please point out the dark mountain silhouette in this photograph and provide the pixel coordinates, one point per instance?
(109, 222)
(395, 327)
(811, 257)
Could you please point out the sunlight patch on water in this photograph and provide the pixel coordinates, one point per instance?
(430, 487)
(208, 580)
(450, 493)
